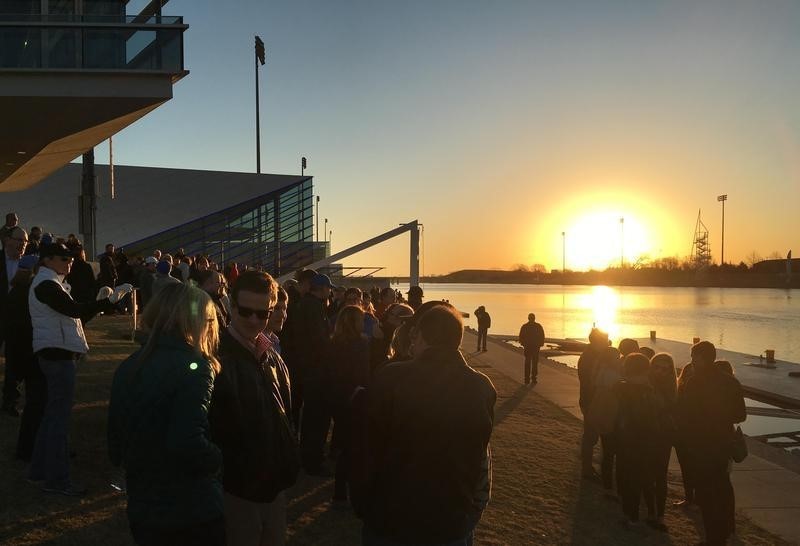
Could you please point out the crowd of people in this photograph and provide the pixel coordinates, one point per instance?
(636, 405)
(241, 384)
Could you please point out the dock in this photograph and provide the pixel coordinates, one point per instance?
(766, 483)
(771, 385)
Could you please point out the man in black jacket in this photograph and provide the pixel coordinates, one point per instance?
(108, 268)
(295, 291)
(430, 420)
(707, 408)
(484, 323)
(312, 337)
(531, 337)
(249, 419)
(81, 278)
(588, 365)
(14, 242)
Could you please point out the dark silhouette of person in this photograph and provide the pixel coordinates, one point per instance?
(707, 409)
(588, 364)
(415, 296)
(430, 420)
(636, 437)
(531, 337)
(484, 323)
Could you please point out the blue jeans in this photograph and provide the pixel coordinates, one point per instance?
(370, 538)
(50, 461)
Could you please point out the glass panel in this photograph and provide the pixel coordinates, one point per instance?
(62, 47)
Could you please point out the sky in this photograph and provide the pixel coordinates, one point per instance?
(502, 124)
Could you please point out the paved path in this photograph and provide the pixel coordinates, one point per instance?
(767, 493)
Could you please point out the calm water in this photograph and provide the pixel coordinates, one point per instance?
(737, 319)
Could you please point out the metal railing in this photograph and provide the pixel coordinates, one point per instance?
(92, 42)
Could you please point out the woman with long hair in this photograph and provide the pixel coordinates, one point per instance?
(665, 384)
(158, 429)
(349, 372)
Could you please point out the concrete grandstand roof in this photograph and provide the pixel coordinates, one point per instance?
(148, 200)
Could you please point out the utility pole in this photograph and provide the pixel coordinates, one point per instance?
(317, 222)
(622, 242)
(722, 199)
(261, 55)
(563, 252)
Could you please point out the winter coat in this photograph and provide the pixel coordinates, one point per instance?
(430, 420)
(158, 432)
(249, 422)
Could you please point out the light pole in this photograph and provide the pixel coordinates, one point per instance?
(317, 222)
(261, 55)
(302, 166)
(330, 238)
(722, 199)
(326, 229)
(563, 252)
(621, 242)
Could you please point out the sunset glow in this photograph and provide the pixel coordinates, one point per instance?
(599, 239)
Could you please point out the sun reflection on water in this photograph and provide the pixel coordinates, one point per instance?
(604, 303)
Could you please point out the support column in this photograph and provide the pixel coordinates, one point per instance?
(413, 268)
(87, 207)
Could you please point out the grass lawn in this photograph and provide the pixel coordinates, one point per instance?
(538, 497)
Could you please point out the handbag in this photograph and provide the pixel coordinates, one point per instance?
(738, 446)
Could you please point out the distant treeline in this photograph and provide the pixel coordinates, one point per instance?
(734, 276)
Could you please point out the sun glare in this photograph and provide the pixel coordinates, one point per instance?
(601, 239)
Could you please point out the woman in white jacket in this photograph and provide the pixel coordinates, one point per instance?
(58, 342)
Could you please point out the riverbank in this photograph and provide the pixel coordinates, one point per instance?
(765, 486)
(729, 277)
(538, 496)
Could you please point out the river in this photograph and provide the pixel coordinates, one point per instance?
(745, 320)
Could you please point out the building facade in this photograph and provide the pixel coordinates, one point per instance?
(74, 73)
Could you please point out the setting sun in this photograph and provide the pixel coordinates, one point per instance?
(601, 239)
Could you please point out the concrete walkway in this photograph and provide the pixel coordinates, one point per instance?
(766, 493)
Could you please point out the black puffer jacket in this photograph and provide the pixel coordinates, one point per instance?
(158, 431)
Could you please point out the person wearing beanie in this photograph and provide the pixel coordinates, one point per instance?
(163, 277)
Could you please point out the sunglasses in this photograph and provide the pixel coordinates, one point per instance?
(247, 312)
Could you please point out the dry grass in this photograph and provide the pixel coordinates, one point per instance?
(538, 497)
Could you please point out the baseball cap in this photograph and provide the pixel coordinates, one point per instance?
(55, 249)
(322, 280)
(164, 267)
(150, 260)
(28, 261)
(415, 291)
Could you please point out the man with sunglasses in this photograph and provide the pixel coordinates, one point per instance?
(14, 242)
(249, 418)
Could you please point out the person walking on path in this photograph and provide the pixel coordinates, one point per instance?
(531, 337)
(707, 409)
(484, 323)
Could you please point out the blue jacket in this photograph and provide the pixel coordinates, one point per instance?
(158, 432)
